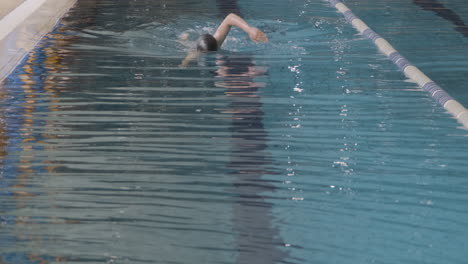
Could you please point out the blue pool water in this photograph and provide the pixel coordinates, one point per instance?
(312, 148)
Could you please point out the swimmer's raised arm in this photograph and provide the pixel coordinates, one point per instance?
(234, 20)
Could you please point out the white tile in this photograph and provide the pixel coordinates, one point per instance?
(6, 6)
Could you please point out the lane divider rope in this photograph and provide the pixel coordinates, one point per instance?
(411, 71)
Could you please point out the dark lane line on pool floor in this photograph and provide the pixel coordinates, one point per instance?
(445, 13)
(257, 240)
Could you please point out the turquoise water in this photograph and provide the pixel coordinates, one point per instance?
(312, 148)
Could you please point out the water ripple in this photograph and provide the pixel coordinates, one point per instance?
(311, 148)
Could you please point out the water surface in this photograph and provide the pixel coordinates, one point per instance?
(312, 148)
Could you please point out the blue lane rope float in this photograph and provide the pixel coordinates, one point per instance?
(411, 71)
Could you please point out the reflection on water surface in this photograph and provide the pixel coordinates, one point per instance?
(309, 149)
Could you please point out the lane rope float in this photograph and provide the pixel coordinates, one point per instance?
(442, 97)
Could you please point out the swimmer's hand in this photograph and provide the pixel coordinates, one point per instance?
(257, 35)
(192, 55)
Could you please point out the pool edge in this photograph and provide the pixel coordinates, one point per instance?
(23, 27)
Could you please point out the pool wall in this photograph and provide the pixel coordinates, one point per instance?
(22, 24)
(411, 71)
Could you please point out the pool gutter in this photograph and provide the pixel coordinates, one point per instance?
(411, 71)
(24, 24)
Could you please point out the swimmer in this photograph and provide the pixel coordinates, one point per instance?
(208, 42)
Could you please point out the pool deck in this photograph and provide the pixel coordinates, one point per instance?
(6, 6)
(22, 24)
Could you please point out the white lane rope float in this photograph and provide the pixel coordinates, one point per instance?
(411, 71)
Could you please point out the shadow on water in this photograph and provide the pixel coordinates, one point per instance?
(446, 13)
(228, 6)
(257, 240)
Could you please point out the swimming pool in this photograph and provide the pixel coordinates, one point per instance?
(313, 148)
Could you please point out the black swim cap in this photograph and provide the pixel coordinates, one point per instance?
(207, 43)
